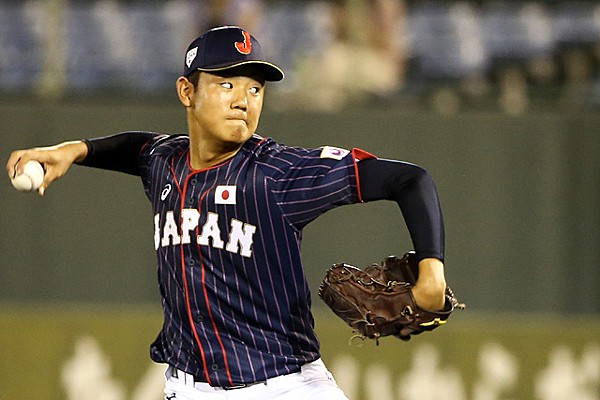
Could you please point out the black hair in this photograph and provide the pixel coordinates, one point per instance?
(194, 78)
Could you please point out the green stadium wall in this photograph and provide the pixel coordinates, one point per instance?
(520, 197)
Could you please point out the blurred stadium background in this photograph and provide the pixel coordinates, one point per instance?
(498, 99)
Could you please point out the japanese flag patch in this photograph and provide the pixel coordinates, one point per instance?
(333, 152)
(225, 194)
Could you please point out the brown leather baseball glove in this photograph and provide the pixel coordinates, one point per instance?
(378, 300)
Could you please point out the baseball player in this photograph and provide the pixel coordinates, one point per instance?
(229, 207)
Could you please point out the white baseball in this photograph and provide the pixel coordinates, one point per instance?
(30, 179)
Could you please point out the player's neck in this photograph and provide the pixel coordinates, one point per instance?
(204, 155)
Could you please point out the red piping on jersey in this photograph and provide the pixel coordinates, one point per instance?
(212, 320)
(205, 292)
(176, 181)
(189, 160)
(359, 155)
(187, 292)
(189, 312)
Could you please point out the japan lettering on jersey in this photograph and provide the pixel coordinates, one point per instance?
(236, 300)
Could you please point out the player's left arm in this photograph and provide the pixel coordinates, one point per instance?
(413, 189)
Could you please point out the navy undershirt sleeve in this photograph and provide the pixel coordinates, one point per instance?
(413, 189)
(119, 152)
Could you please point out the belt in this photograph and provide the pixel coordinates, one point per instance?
(175, 373)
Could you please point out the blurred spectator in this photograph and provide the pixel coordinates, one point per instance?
(363, 58)
(243, 13)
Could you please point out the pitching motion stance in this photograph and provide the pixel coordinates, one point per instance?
(229, 207)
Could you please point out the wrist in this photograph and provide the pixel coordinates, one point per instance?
(77, 149)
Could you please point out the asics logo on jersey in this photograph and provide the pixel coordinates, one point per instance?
(165, 192)
(169, 232)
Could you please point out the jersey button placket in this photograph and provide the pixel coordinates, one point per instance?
(191, 199)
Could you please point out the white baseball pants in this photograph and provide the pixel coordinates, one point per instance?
(313, 382)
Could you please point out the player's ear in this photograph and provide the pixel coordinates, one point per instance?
(185, 91)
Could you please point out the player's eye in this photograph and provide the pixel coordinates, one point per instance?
(227, 85)
(255, 90)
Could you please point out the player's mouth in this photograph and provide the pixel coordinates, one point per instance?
(238, 119)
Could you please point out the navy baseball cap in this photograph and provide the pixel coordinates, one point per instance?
(228, 47)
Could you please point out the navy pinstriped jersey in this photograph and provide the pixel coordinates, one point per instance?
(236, 300)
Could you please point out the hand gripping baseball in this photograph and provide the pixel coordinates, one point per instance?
(56, 160)
(378, 301)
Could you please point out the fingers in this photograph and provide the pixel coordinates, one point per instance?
(51, 174)
(18, 158)
(13, 161)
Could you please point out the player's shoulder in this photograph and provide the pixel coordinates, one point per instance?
(167, 145)
(268, 150)
(291, 154)
(277, 158)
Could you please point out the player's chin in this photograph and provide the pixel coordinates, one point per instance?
(240, 134)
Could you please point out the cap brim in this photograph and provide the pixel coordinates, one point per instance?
(270, 72)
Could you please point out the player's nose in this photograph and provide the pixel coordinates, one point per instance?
(240, 100)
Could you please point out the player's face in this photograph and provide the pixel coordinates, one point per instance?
(226, 107)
